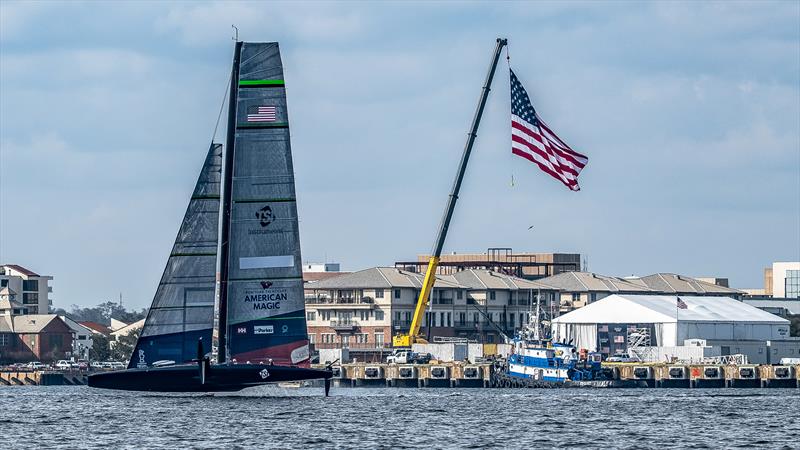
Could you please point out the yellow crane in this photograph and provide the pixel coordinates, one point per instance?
(413, 336)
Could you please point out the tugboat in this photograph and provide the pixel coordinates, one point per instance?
(539, 362)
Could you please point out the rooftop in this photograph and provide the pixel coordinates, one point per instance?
(488, 279)
(681, 284)
(592, 282)
(32, 323)
(381, 277)
(20, 269)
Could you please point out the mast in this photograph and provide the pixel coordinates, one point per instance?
(227, 188)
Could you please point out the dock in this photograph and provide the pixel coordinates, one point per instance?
(486, 375)
(43, 378)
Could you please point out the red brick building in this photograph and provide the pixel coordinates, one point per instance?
(37, 337)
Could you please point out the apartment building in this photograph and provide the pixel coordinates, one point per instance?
(365, 309)
(30, 289)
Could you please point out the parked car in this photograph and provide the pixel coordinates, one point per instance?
(36, 365)
(96, 365)
(622, 357)
(63, 364)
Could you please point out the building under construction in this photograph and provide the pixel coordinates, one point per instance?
(530, 266)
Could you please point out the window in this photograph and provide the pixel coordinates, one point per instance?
(328, 338)
(30, 285)
(475, 318)
(378, 293)
(511, 320)
(407, 316)
(378, 314)
(364, 314)
(30, 299)
(441, 319)
(326, 315)
(312, 338)
(397, 316)
(459, 295)
(311, 315)
(462, 318)
(5, 339)
(397, 293)
(82, 337)
(576, 296)
(492, 295)
(3, 283)
(792, 284)
(379, 339)
(449, 319)
(346, 341)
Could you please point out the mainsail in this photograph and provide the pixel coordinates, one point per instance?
(183, 308)
(262, 281)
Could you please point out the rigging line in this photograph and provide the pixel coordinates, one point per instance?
(222, 106)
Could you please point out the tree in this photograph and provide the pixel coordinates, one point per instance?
(101, 350)
(794, 324)
(124, 345)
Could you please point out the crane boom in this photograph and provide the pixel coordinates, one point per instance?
(405, 340)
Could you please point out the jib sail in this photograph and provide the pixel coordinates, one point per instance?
(264, 294)
(183, 307)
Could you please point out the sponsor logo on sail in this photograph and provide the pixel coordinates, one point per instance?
(263, 329)
(266, 297)
(241, 330)
(285, 329)
(265, 216)
(264, 374)
(141, 362)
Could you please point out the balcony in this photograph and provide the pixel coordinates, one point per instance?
(340, 302)
(343, 324)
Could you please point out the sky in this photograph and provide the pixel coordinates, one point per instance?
(689, 113)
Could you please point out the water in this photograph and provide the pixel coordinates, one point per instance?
(273, 417)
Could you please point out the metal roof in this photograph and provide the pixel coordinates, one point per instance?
(489, 279)
(591, 282)
(681, 284)
(381, 277)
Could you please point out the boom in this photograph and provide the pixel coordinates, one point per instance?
(405, 340)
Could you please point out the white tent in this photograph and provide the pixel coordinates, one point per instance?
(710, 318)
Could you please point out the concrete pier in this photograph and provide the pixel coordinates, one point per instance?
(42, 378)
(624, 375)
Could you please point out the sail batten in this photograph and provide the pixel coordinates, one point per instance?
(182, 311)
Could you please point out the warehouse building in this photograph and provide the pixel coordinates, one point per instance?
(616, 323)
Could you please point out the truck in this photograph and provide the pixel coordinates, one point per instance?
(408, 357)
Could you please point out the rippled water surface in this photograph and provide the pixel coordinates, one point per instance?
(79, 417)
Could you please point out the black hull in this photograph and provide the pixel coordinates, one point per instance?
(187, 378)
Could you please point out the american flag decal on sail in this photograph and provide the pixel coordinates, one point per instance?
(533, 140)
(261, 113)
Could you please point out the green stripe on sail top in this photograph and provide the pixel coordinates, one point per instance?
(261, 83)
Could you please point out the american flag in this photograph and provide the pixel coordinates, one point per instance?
(681, 304)
(533, 140)
(261, 113)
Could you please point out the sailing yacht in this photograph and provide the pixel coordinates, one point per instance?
(242, 219)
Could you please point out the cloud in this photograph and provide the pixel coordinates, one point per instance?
(209, 22)
(689, 115)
